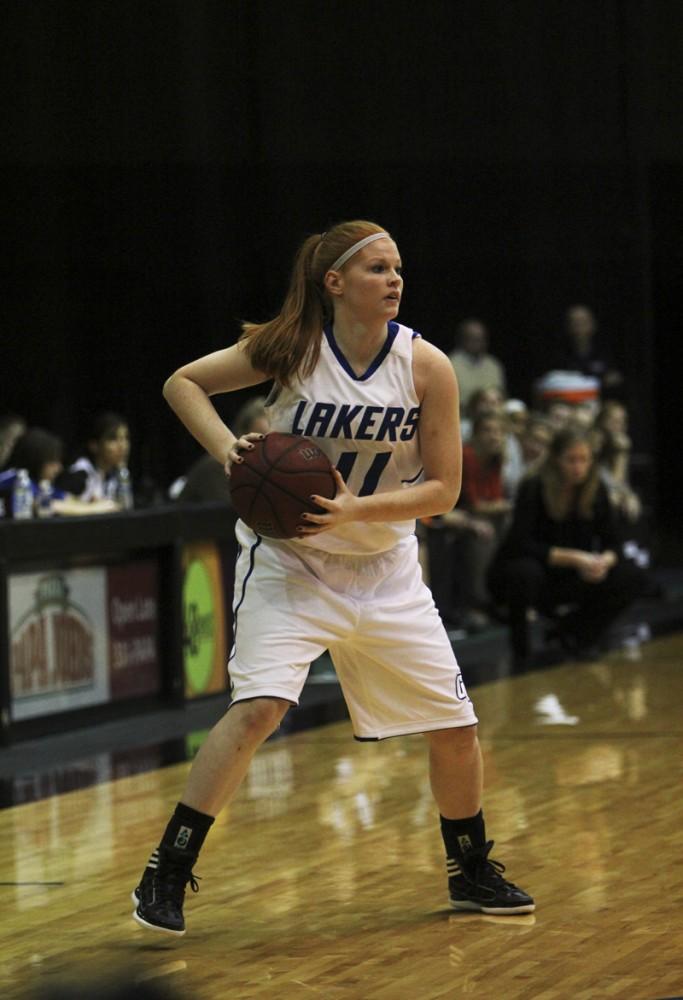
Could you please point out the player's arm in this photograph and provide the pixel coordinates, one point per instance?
(189, 389)
(439, 427)
(440, 449)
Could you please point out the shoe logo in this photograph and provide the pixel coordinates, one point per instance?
(183, 837)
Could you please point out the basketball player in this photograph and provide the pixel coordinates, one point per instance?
(383, 404)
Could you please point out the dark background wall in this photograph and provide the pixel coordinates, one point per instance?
(161, 161)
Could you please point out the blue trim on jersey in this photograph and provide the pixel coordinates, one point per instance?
(374, 365)
(416, 335)
(414, 478)
(252, 559)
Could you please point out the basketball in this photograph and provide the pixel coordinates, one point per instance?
(271, 488)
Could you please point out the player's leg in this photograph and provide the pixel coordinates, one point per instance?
(456, 771)
(224, 757)
(217, 772)
(400, 676)
(475, 881)
(281, 617)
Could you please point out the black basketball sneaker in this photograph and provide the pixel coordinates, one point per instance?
(160, 895)
(476, 883)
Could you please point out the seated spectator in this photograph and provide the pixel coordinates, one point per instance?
(11, 429)
(516, 417)
(583, 416)
(483, 497)
(40, 453)
(563, 548)
(95, 476)
(534, 442)
(485, 400)
(567, 397)
(558, 414)
(491, 400)
(443, 538)
(482, 464)
(612, 444)
(206, 479)
(580, 351)
(473, 365)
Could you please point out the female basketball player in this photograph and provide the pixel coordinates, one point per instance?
(383, 404)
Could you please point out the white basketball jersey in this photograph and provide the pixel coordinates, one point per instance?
(367, 425)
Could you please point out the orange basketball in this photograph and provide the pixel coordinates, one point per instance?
(272, 487)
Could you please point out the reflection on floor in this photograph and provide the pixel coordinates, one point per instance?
(36, 769)
(342, 896)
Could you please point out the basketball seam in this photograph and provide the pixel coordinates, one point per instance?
(277, 486)
(275, 515)
(272, 463)
(263, 477)
(293, 496)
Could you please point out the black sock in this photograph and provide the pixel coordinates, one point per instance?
(461, 836)
(187, 829)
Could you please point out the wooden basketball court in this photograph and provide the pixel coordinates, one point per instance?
(327, 878)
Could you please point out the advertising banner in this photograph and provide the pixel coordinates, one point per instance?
(133, 614)
(204, 643)
(58, 649)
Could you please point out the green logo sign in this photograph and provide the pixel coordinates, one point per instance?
(198, 625)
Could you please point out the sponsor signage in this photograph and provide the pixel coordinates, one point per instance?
(58, 648)
(133, 617)
(82, 637)
(204, 645)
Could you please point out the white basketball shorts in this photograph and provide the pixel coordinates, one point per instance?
(374, 614)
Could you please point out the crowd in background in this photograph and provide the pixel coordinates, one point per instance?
(97, 481)
(548, 519)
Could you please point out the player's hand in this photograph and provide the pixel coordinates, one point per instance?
(341, 509)
(592, 568)
(243, 443)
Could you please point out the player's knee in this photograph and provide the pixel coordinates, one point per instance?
(259, 717)
(459, 739)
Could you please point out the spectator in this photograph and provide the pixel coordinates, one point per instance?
(516, 417)
(583, 416)
(482, 496)
(489, 401)
(11, 429)
(444, 538)
(538, 433)
(581, 352)
(612, 444)
(482, 464)
(475, 368)
(563, 548)
(559, 415)
(95, 476)
(206, 479)
(488, 398)
(40, 453)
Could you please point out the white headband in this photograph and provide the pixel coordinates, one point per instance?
(356, 247)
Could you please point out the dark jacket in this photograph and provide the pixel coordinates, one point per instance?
(533, 532)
